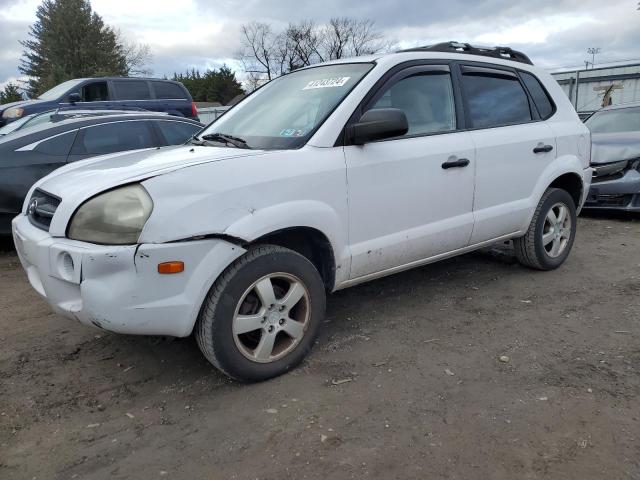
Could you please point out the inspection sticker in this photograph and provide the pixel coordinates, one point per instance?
(327, 82)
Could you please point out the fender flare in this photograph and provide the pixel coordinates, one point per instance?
(562, 165)
(302, 213)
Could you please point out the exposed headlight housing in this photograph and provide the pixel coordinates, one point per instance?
(13, 113)
(116, 217)
(602, 170)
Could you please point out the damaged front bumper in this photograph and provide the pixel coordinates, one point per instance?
(616, 191)
(118, 288)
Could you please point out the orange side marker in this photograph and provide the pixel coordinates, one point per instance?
(170, 267)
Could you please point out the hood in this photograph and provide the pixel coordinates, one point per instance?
(19, 103)
(78, 181)
(614, 147)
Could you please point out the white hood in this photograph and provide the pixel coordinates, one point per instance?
(79, 181)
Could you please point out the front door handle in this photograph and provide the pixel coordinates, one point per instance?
(459, 163)
(543, 149)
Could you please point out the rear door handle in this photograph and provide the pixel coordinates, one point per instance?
(543, 149)
(459, 163)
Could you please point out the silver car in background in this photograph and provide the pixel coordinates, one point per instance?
(615, 157)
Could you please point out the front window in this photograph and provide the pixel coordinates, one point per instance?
(612, 121)
(56, 92)
(287, 111)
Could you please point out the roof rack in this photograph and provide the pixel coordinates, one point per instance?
(504, 53)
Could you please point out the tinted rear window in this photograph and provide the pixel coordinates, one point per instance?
(176, 133)
(131, 90)
(495, 100)
(166, 90)
(539, 95)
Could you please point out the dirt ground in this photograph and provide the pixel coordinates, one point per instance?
(406, 382)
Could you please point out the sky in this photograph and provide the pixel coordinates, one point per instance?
(206, 33)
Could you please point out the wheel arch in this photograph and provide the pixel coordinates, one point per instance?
(565, 172)
(571, 182)
(310, 228)
(309, 242)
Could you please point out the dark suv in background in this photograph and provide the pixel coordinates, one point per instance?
(152, 94)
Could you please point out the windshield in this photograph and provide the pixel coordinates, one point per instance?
(58, 90)
(612, 121)
(287, 111)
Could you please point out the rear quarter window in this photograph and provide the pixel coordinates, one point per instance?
(168, 91)
(131, 90)
(541, 98)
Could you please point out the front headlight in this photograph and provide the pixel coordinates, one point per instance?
(116, 217)
(13, 113)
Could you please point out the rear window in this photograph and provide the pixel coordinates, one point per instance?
(177, 133)
(131, 89)
(166, 90)
(495, 100)
(539, 94)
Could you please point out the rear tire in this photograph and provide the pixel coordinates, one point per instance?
(550, 236)
(262, 315)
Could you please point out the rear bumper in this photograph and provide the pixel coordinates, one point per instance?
(621, 193)
(118, 288)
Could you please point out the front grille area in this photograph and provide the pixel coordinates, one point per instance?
(608, 200)
(42, 206)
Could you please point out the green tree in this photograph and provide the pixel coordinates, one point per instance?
(11, 93)
(212, 86)
(68, 40)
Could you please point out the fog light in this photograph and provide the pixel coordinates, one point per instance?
(66, 267)
(170, 267)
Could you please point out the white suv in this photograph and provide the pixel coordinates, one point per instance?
(324, 178)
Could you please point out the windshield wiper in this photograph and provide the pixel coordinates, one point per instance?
(226, 139)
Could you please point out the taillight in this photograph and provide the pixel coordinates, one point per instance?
(194, 110)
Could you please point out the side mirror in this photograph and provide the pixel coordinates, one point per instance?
(379, 124)
(74, 98)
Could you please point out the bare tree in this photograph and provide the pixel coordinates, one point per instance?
(266, 55)
(305, 40)
(137, 56)
(260, 52)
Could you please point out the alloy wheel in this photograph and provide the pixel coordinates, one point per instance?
(271, 317)
(557, 230)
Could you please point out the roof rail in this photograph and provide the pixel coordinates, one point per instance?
(504, 53)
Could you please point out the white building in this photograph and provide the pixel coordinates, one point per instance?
(588, 89)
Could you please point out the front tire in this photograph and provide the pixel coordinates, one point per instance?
(551, 234)
(262, 315)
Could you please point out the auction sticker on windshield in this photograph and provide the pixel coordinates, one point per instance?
(327, 82)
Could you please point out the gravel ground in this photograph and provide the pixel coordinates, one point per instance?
(406, 382)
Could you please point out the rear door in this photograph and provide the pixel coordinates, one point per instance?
(113, 137)
(172, 98)
(513, 147)
(405, 202)
(130, 93)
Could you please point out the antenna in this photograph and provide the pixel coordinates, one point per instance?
(593, 51)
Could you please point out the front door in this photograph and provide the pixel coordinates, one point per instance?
(411, 197)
